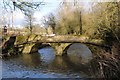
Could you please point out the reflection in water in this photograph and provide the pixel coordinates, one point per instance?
(45, 64)
(76, 66)
(31, 60)
(47, 55)
(59, 63)
(79, 53)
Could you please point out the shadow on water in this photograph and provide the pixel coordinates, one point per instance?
(46, 61)
(31, 60)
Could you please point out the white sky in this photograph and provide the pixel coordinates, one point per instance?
(51, 6)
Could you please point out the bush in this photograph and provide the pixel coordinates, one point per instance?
(107, 64)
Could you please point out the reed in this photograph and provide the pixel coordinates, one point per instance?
(107, 64)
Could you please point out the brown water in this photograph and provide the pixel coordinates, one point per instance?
(45, 64)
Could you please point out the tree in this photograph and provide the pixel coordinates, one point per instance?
(23, 5)
(69, 18)
(29, 21)
(49, 21)
(106, 20)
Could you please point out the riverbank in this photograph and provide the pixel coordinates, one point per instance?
(108, 63)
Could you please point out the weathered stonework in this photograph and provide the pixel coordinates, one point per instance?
(59, 48)
(31, 43)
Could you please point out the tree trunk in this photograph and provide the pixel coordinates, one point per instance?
(80, 24)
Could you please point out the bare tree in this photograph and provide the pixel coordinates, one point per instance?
(22, 5)
(11, 5)
(29, 21)
(50, 21)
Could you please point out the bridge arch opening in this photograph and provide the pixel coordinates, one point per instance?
(78, 52)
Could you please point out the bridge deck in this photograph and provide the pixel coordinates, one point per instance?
(57, 39)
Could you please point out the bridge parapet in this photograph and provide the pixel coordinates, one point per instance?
(56, 39)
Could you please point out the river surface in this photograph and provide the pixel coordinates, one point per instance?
(44, 64)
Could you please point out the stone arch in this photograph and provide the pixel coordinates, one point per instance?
(65, 50)
(32, 47)
(38, 46)
(91, 47)
(59, 47)
(35, 47)
(83, 44)
(82, 52)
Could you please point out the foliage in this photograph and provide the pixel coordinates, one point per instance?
(107, 63)
(106, 21)
(101, 21)
(37, 29)
(68, 19)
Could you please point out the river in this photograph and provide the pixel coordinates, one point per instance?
(44, 64)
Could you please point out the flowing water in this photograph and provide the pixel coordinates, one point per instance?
(45, 64)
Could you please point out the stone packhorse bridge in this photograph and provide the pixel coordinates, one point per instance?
(60, 43)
